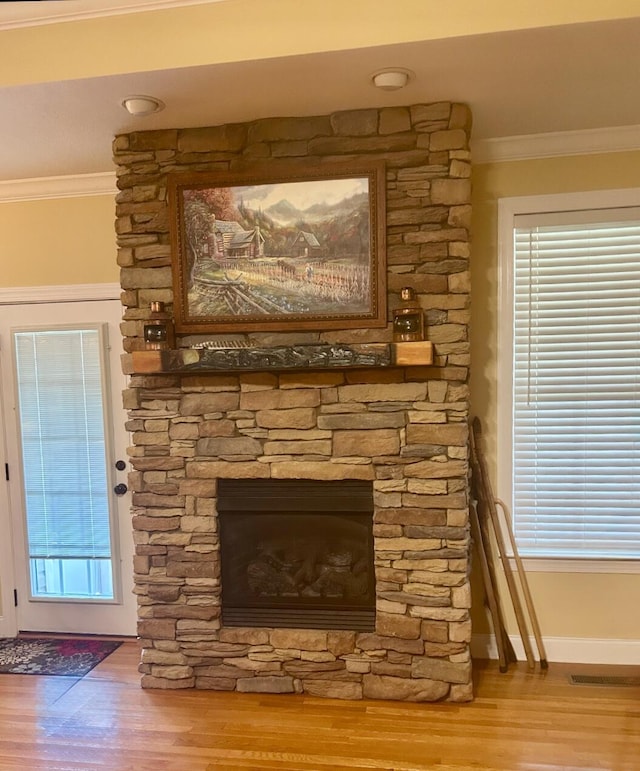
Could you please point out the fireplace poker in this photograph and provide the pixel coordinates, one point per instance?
(485, 497)
(544, 664)
(489, 587)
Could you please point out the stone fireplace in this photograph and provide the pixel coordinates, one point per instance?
(307, 531)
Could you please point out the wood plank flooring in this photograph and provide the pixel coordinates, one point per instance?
(519, 721)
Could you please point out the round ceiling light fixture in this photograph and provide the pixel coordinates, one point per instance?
(140, 106)
(392, 78)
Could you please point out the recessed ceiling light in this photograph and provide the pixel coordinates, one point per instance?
(142, 105)
(392, 78)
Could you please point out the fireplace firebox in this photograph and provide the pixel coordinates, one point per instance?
(297, 553)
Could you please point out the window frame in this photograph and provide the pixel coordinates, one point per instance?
(508, 209)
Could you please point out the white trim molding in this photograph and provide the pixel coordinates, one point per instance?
(21, 295)
(614, 139)
(570, 650)
(72, 186)
(8, 625)
(30, 15)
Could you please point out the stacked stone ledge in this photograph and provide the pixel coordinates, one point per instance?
(405, 430)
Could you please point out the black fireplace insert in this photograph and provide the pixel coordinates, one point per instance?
(297, 553)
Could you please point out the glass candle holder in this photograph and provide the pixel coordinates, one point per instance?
(408, 318)
(159, 332)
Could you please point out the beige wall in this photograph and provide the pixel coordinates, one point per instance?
(578, 605)
(55, 242)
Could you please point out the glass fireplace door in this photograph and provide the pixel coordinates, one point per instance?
(297, 553)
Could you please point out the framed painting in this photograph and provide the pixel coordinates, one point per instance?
(285, 248)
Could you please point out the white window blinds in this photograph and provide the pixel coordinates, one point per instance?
(576, 384)
(62, 431)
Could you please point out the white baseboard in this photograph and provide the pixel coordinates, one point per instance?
(571, 650)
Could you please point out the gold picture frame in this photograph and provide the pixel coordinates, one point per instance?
(279, 248)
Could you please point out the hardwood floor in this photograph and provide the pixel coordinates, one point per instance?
(518, 721)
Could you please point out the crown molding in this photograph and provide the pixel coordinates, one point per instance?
(20, 295)
(615, 139)
(36, 14)
(73, 186)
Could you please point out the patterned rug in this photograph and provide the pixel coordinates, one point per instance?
(49, 656)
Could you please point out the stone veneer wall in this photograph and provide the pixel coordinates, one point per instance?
(405, 429)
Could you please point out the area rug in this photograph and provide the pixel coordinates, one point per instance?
(70, 657)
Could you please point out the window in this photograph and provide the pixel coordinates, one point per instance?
(569, 374)
(59, 375)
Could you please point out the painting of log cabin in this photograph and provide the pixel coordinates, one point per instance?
(301, 253)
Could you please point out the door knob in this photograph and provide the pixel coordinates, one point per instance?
(120, 489)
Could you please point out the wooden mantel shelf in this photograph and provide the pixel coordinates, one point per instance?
(315, 356)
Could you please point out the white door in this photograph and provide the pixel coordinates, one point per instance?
(65, 442)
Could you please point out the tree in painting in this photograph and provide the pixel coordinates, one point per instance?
(200, 207)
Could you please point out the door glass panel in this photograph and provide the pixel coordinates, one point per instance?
(62, 414)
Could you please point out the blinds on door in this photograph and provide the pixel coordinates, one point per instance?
(62, 426)
(576, 430)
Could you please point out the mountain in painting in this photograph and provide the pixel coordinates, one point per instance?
(284, 213)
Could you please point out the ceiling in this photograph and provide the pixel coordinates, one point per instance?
(566, 77)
